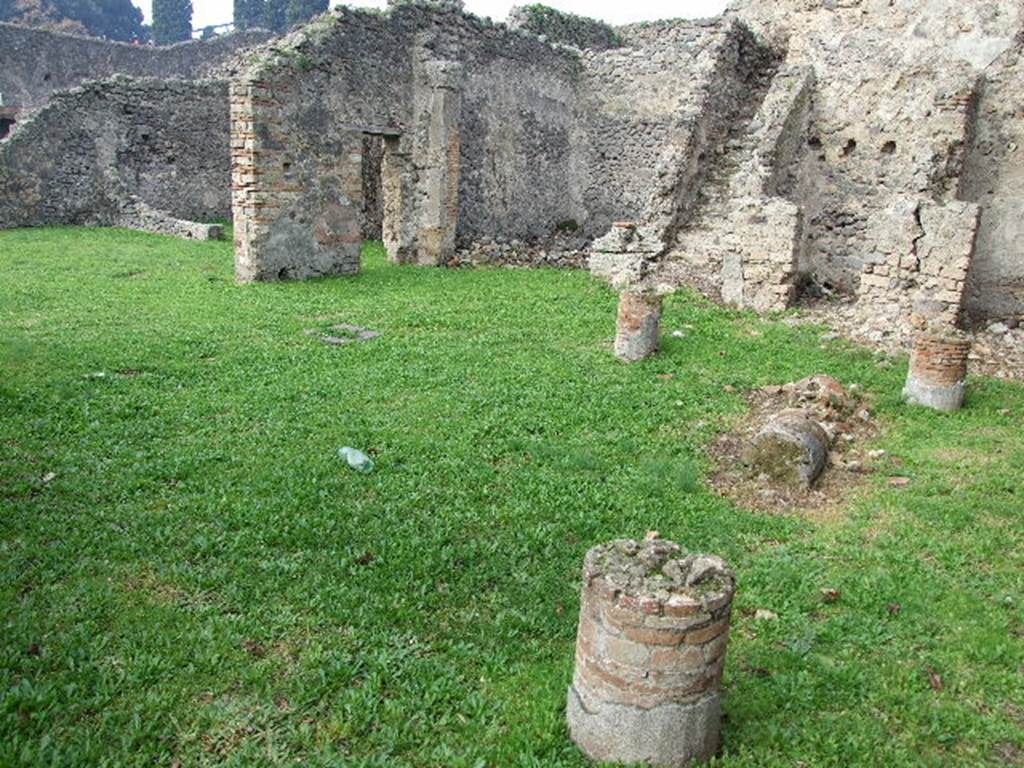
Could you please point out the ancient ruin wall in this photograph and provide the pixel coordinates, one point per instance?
(35, 63)
(893, 114)
(637, 104)
(461, 102)
(516, 131)
(94, 152)
(994, 178)
(299, 117)
(566, 28)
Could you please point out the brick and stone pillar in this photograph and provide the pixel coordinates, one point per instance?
(297, 214)
(639, 325)
(654, 624)
(938, 370)
(422, 169)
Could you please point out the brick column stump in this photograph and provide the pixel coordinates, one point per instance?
(639, 324)
(654, 624)
(938, 371)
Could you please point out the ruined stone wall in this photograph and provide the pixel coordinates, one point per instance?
(465, 104)
(515, 126)
(299, 115)
(638, 104)
(792, 136)
(566, 28)
(492, 134)
(893, 114)
(102, 153)
(35, 64)
(994, 178)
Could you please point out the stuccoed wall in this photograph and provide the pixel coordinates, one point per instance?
(35, 63)
(95, 153)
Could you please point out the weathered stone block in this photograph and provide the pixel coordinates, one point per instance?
(792, 448)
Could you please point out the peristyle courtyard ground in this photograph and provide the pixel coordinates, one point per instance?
(191, 576)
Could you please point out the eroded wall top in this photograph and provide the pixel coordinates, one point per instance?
(37, 63)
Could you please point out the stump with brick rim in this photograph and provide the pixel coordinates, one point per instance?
(639, 325)
(654, 624)
(938, 371)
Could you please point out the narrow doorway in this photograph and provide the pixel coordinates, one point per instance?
(373, 186)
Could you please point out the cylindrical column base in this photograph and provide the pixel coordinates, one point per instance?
(669, 735)
(938, 371)
(639, 325)
(654, 625)
(792, 448)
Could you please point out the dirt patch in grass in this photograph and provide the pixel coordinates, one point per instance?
(162, 592)
(849, 421)
(343, 333)
(1009, 753)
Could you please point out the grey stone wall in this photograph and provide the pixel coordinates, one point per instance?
(35, 64)
(896, 117)
(872, 145)
(546, 139)
(505, 148)
(994, 178)
(566, 28)
(859, 165)
(120, 151)
(518, 114)
(638, 104)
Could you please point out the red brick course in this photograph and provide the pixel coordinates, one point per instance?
(939, 360)
(643, 648)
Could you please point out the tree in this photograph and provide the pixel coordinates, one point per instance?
(248, 14)
(172, 21)
(275, 15)
(112, 19)
(300, 11)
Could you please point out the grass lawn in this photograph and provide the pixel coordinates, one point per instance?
(190, 576)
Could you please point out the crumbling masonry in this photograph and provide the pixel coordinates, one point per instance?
(864, 146)
(781, 143)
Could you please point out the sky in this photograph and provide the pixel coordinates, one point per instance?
(207, 12)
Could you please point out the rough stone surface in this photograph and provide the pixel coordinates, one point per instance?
(36, 64)
(146, 148)
(994, 177)
(894, 131)
(938, 371)
(145, 154)
(566, 28)
(866, 147)
(639, 325)
(792, 449)
(653, 632)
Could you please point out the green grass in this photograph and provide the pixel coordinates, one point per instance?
(188, 572)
